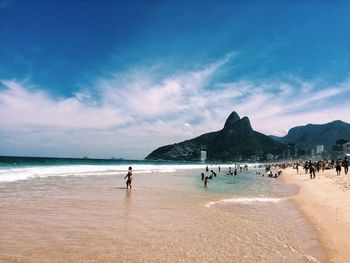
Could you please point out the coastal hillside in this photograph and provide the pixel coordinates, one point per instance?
(310, 135)
(236, 141)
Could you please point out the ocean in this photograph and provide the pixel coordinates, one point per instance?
(78, 210)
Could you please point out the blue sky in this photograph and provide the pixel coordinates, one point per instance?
(120, 78)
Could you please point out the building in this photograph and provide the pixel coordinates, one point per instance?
(319, 149)
(269, 157)
(346, 148)
(291, 150)
(340, 148)
(312, 152)
(203, 156)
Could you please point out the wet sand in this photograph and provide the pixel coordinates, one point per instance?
(326, 202)
(163, 219)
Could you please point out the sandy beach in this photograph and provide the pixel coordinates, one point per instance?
(326, 203)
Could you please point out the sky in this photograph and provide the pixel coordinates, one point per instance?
(121, 78)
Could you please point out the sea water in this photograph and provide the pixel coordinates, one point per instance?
(71, 210)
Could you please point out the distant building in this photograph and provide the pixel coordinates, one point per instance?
(269, 157)
(203, 156)
(291, 150)
(340, 148)
(319, 149)
(346, 148)
(312, 152)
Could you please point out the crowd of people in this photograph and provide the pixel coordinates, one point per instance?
(206, 178)
(313, 167)
(272, 170)
(232, 171)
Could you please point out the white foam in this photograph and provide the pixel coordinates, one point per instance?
(23, 173)
(245, 200)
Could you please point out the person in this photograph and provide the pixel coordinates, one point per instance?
(312, 171)
(219, 169)
(235, 172)
(297, 167)
(207, 169)
(129, 176)
(346, 165)
(202, 174)
(213, 173)
(206, 181)
(338, 166)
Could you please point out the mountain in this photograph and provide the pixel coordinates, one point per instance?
(237, 140)
(310, 135)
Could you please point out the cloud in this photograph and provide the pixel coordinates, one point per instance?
(34, 108)
(131, 113)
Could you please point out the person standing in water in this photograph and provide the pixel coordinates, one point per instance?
(129, 176)
(206, 181)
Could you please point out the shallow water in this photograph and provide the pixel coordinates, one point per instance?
(167, 217)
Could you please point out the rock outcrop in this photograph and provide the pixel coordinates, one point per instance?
(236, 141)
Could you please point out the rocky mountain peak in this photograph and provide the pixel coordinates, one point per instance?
(231, 120)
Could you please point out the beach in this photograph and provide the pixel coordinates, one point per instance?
(326, 203)
(168, 216)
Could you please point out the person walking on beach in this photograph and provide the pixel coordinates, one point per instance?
(338, 166)
(312, 171)
(129, 176)
(297, 167)
(346, 165)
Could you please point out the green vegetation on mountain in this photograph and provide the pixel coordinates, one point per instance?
(236, 141)
(310, 135)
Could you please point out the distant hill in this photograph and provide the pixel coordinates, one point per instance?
(237, 140)
(310, 135)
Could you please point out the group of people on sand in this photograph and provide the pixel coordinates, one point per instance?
(342, 163)
(313, 167)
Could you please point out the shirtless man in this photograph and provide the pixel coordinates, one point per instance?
(129, 176)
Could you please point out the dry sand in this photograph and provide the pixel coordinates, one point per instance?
(326, 202)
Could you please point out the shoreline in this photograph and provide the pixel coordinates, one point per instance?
(325, 201)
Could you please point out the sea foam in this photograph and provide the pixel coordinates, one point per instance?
(11, 174)
(244, 200)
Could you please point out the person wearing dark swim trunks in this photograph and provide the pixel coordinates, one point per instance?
(129, 176)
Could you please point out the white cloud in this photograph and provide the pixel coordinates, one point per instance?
(21, 108)
(131, 114)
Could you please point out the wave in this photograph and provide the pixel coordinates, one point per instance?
(12, 174)
(245, 200)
